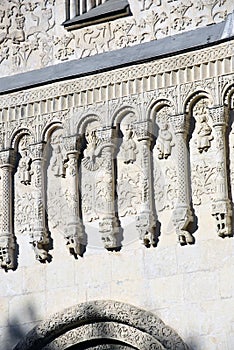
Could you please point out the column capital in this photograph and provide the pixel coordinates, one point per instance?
(219, 115)
(72, 143)
(143, 130)
(37, 150)
(7, 158)
(180, 123)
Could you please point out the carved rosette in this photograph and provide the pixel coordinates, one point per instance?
(146, 220)
(182, 215)
(109, 223)
(39, 233)
(221, 207)
(7, 238)
(74, 233)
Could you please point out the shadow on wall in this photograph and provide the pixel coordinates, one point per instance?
(19, 325)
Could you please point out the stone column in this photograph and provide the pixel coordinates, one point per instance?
(7, 238)
(221, 207)
(39, 234)
(74, 233)
(182, 215)
(109, 223)
(146, 220)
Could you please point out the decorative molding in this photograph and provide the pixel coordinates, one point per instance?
(129, 324)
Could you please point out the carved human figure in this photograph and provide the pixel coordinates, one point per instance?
(129, 148)
(24, 167)
(164, 141)
(18, 34)
(91, 138)
(204, 136)
(57, 161)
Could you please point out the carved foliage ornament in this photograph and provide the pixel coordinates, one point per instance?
(128, 324)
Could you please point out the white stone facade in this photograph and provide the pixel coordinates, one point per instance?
(118, 185)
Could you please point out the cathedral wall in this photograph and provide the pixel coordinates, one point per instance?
(135, 167)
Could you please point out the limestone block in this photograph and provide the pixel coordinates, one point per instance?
(34, 279)
(126, 265)
(134, 291)
(60, 274)
(166, 291)
(62, 298)
(226, 282)
(13, 283)
(160, 264)
(3, 312)
(200, 286)
(27, 308)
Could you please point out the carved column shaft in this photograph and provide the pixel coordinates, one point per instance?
(39, 234)
(221, 207)
(146, 223)
(74, 233)
(109, 224)
(182, 214)
(7, 239)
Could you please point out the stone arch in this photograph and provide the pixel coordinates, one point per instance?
(227, 95)
(193, 98)
(17, 134)
(85, 120)
(99, 323)
(48, 130)
(157, 105)
(120, 113)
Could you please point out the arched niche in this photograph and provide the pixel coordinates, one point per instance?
(201, 149)
(102, 325)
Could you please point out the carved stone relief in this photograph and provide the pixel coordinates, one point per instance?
(133, 327)
(165, 173)
(30, 30)
(202, 153)
(129, 169)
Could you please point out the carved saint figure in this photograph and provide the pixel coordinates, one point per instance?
(129, 148)
(58, 164)
(164, 142)
(24, 168)
(204, 136)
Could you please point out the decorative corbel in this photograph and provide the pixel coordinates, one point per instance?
(109, 227)
(39, 235)
(146, 218)
(74, 232)
(221, 207)
(182, 216)
(7, 237)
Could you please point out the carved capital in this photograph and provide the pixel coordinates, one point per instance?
(37, 150)
(219, 115)
(72, 143)
(7, 158)
(180, 123)
(143, 130)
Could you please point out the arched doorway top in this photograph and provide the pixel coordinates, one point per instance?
(102, 322)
